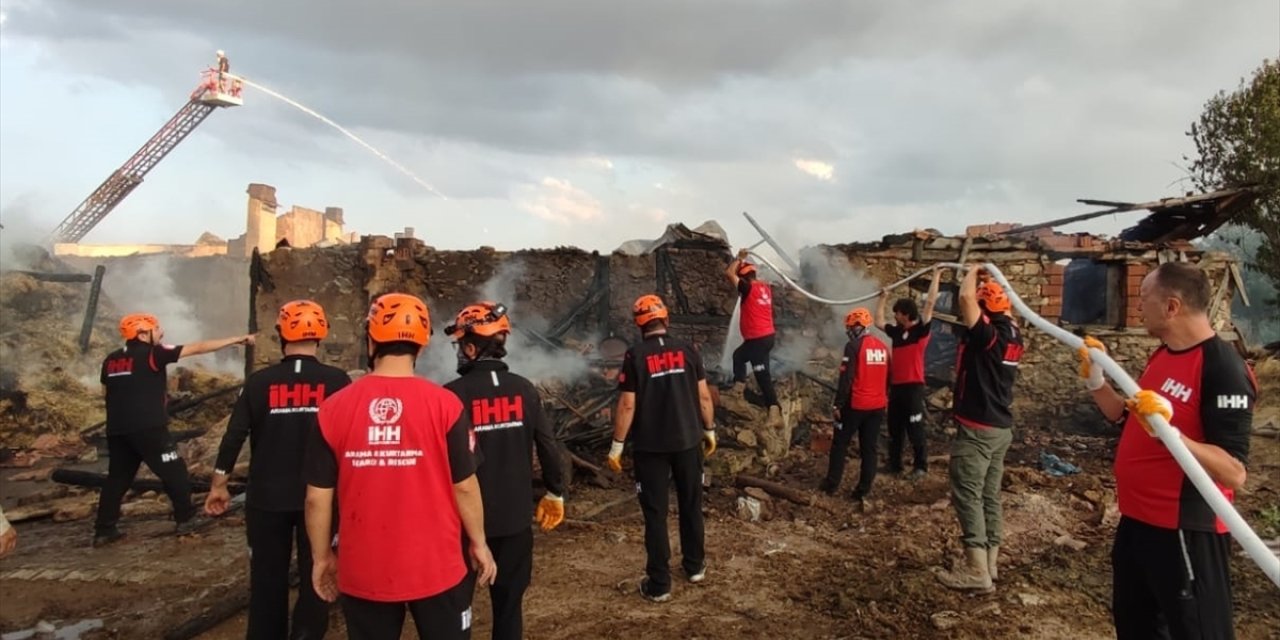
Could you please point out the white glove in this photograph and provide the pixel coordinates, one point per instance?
(615, 457)
(708, 441)
(1090, 371)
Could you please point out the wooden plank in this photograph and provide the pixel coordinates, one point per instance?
(1239, 280)
(1218, 295)
(776, 489)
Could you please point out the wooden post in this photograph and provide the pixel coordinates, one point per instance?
(91, 311)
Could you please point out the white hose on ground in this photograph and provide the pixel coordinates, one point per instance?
(1240, 530)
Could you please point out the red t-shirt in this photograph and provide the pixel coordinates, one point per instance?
(394, 447)
(1212, 391)
(909, 345)
(864, 374)
(756, 318)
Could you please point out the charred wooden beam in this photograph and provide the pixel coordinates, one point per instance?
(44, 276)
(91, 310)
(176, 408)
(98, 480)
(776, 489)
(229, 601)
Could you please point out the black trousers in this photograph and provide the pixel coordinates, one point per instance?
(126, 452)
(653, 473)
(514, 556)
(866, 424)
(444, 616)
(272, 535)
(1170, 583)
(906, 418)
(756, 351)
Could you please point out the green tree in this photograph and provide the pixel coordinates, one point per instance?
(1237, 142)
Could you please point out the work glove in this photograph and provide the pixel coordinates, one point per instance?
(1091, 373)
(708, 441)
(615, 457)
(1145, 403)
(550, 512)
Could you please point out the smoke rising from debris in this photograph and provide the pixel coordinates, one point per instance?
(146, 285)
(526, 355)
(20, 229)
(831, 275)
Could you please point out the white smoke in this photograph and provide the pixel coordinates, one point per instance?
(21, 227)
(145, 285)
(830, 274)
(526, 355)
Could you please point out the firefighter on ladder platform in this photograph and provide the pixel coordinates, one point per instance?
(224, 68)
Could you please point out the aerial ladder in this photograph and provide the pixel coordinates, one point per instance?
(217, 89)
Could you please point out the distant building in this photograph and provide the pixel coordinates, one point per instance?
(300, 227)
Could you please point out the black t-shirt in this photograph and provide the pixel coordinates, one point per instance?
(664, 373)
(277, 411)
(506, 414)
(987, 365)
(136, 384)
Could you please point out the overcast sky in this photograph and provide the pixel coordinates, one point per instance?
(589, 123)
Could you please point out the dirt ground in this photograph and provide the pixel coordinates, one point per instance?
(821, 571)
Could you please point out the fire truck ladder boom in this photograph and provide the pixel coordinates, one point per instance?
(216, 90)
(125, 179)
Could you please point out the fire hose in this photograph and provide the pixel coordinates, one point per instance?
(1171, 437)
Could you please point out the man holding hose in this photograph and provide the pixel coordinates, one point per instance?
(756, 324)
(987, 366)
(1170, 560)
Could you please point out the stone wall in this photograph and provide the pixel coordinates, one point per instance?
(1049, 393)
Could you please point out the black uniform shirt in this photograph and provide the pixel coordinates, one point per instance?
(664, 373)
(277, 411)
(987, 365)
(136, 384)
(506, 413)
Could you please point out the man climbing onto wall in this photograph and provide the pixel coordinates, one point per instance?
(277, 411)
(910, 335)
(1171, 558)
(666, 408)
(397, 452)
(987, 367)
(506, 413)
(756, 324)
(860, 402)
(135, 380)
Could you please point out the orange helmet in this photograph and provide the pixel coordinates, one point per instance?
(746, 268)
(135, 323)
(302, 320)
(993, 297)
(482, 318)
(399, 317)
(859, 317)
(648, 308)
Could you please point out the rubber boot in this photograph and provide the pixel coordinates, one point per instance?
(973, 576)
(775, 417)
(993, 555)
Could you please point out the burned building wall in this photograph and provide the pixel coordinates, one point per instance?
(555, 296)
